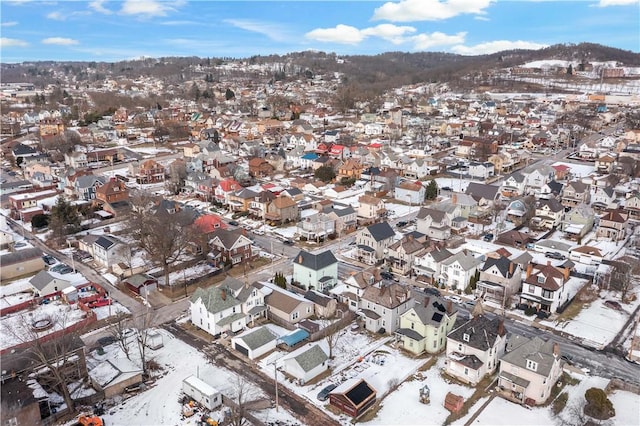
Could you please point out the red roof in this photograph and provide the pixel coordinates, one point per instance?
(209, 222)
(561, 167)
(375, 145)
(229, 185)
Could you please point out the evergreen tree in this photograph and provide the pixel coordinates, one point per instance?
(64, 219)
(431, 191)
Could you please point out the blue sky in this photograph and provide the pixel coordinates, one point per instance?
(104, 30)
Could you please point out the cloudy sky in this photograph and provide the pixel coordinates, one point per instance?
(104, 30)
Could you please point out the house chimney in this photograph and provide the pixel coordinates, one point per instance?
(529, 268)
(566, 272)
(556, 350)
(454, 198)
(449, 306)
(426, 302)
(510, 268)
(501, 328)
(548, 263)
(223, 294)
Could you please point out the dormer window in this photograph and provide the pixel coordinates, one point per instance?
(465, 337)
(541, 279)
(532, 365)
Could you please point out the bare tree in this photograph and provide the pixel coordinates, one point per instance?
(119, 331)
(163, 233)
(143, 324)
(245, 393)
(56, 362)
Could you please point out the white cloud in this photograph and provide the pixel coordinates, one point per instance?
(60, 41)
(12, 42)
(496, 46)
(605, 3)
(429, 10)
(427, 41)
(56, 16)
(393, 33)
(149, 8)
(9, 24)
(271, 30)
(342, 34)
(176, 23)
(98, 6)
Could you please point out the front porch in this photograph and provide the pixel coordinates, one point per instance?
(512, 388)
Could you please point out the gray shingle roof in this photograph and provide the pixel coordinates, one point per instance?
(381, 231)
(259, 337)
(311, 358)
(20, 256)
(482, 332)
(520, 349)
(215, 299)
(315, 262)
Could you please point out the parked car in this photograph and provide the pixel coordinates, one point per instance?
(65, 270)
(323, 395)
(287, 242)
(58, 267)
(454, 299)
(49, 260)
(233, 223)
(386, 275)
(488, 237)
(100, 302)
(554, 255)
(432, 291)
(401, 224)
(107, 340)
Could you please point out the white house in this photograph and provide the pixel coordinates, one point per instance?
(307, 363)
(381, 306)
(410, 192)
(457, 270)
(106, 250)
(216, 310)
(255, 342)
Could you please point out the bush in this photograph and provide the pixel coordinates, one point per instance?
(530, 310)
(598, 404)
(39, 221)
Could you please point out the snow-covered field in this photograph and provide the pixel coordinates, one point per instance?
(597, 324)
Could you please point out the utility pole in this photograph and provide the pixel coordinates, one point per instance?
(275, 378)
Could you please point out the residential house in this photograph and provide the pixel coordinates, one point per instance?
(45, 284)
(307, 364)
(20, 263)
(381, 307)
(85, 186)
(259, 167)
(520, 209)
(603, 198)
(150, 171)
(353, 397)
(457, 270)
(225, 188)
(586, 255)
(240, 201)
(315, 226)
(231, 247)
(216, 310)
(578, 222)
(604, 164)
(345, 217)
(513, 186)
(373, 242)
(349, 169)
(481, 170)
(283, 209)
(435, 224)
(574, 193)
(324, 306)
(428, 265)
(107, 250)
(112, 194)
(287, 307)
(544, 287)
(76, 160)
(258, 206)
(632, 206)
(548, 214)
(500, 278)
(352, 288)
(424, 327)
(315, 271)
(402, 253)
(529, 370)
(536, 177)
(474, 348)
(612, 225)
(412, 193)
(370, 209)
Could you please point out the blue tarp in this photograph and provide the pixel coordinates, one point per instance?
(294, 338)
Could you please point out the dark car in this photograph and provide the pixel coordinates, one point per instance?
(432, 291)
(488, 237)
(554, 255)
(233, 223)
(446, 188)
(401, 224)
(386, 275)
(287, 242)
(107, 340)
(49, 260)
(323, 395)
(65, 270)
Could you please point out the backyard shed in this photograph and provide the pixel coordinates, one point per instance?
(202, 392)
(307, 364)
(295, 337)
(353, 397)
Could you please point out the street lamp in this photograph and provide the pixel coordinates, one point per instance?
(73, 262)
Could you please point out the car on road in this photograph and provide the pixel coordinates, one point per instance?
(49, 260)
(432, 291)
(323, 395)
(233, 223)
(554, 255)
(386, 275)
(20, 244)
(487, 237)
(401, 224)
(287, 242)
(58, 267)
(446, 188)
(65, 270)
(454, 299)
(567, 358)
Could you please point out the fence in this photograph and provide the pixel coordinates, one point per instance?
(234, 407)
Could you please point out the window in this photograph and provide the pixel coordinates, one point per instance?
(532, 288)
(435, 344)
(466, 371)
(532, 365)
(295, 315)
(465, 337)
(541, 279)
(412, 326)
(460, 346)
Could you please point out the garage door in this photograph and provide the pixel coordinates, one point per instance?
(244, 351)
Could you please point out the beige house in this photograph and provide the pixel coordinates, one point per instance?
(282, 209)
(574, 193)
(402, 253)
(20, 263)
(613, 225)
(288, 307)
(632, 206)
(370, 209)
(500, 278)
(529, 370)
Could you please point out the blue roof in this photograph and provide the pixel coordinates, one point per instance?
(310, 156)
(294, 338)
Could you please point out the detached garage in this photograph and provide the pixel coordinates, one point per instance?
(353, 397)
(141, 284)
(255, 343)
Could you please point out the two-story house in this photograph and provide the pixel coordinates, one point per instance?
(513, 186)
(529, 369)
(230, 247)
(602, 198)
(457, 270)
(411, 193)
(544, 287)
(612, 225)
(314, 225)
(107, 251)
(216, 310)
(287, 307)
(577, 222)
(150, 171)
(352, 288)
(85, 186)
(424, 327)
(574, 193)
(345, 217)
(370, 209)
(282, 209)
(381, 307)
(428, 265)
(315, 271)
(548, 214)
(402, 253)
(474, 348)
(435, 224)
(500, 278)
(632, 206)
(373, 242)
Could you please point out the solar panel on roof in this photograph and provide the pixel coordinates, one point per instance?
(436, 317)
